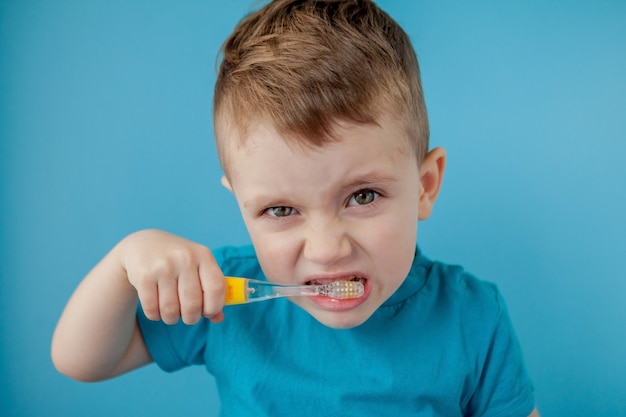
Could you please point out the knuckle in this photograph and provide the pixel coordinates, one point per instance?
(192, 316)
(170, 313)
(191, 308)
(140, 277)
(190, 291)
(216, 289)
(151, 311)
(205, 253)
(160, 267)
(183, 256)
(150, 273)
(149, 305)
(214, 297)
(212, 306)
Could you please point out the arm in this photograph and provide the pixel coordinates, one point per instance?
(98, 337)
(535, 413)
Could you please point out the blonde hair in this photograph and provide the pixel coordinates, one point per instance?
(305, 64)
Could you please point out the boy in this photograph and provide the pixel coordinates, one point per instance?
(322, 134)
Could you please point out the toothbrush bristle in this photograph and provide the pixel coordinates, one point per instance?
(342, 290)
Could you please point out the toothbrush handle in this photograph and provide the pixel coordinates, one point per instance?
(244, 290)
(236, 290)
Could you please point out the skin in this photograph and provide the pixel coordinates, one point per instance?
(347, 209)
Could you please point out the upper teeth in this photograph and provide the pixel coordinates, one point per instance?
(316, 282)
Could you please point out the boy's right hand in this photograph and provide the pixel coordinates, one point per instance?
(174, 277)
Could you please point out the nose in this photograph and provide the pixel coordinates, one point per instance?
(326, 244)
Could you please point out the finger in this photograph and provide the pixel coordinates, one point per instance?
(149, 299)
(218, 318)
(190, 296)
(213, 286)
(169, 306)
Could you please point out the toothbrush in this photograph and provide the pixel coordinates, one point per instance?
(244, 290)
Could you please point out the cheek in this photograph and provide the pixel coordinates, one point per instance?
(276, 256)
(398, 228)
(398, 249)
(395, 240)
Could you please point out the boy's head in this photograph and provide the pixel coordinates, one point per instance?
(304, 65)
(322, 133)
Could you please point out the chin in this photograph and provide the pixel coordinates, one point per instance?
(341, 320)
(344, 314)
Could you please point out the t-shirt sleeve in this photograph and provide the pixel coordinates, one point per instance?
(174, 347)
(504, 388)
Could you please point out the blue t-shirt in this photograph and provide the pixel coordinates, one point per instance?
(442, 345)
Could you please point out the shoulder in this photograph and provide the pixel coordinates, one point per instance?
(496, 375)
(238, 261)
(457, 299)
(454, 287)
(226, 254)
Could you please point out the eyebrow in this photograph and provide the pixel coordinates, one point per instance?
(367, 180)
(362, 181)
(264, 201)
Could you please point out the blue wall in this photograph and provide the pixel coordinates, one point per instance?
(105, 129)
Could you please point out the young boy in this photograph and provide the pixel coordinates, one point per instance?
(322, 134)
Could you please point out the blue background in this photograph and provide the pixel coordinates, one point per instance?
(105, 128)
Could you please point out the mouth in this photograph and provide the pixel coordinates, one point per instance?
(340, 292)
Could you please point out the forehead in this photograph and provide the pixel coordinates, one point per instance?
(235, 140)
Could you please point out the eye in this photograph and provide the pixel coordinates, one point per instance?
(280, 211)
(363, 197)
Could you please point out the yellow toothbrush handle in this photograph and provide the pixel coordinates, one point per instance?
(243, 290)
(236, 290)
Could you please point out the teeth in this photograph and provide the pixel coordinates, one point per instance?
(353, 279)
(342, 289)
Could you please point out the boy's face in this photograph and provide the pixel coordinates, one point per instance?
(347, 209)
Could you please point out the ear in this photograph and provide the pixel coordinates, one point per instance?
(431, 176)
(226, 183)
